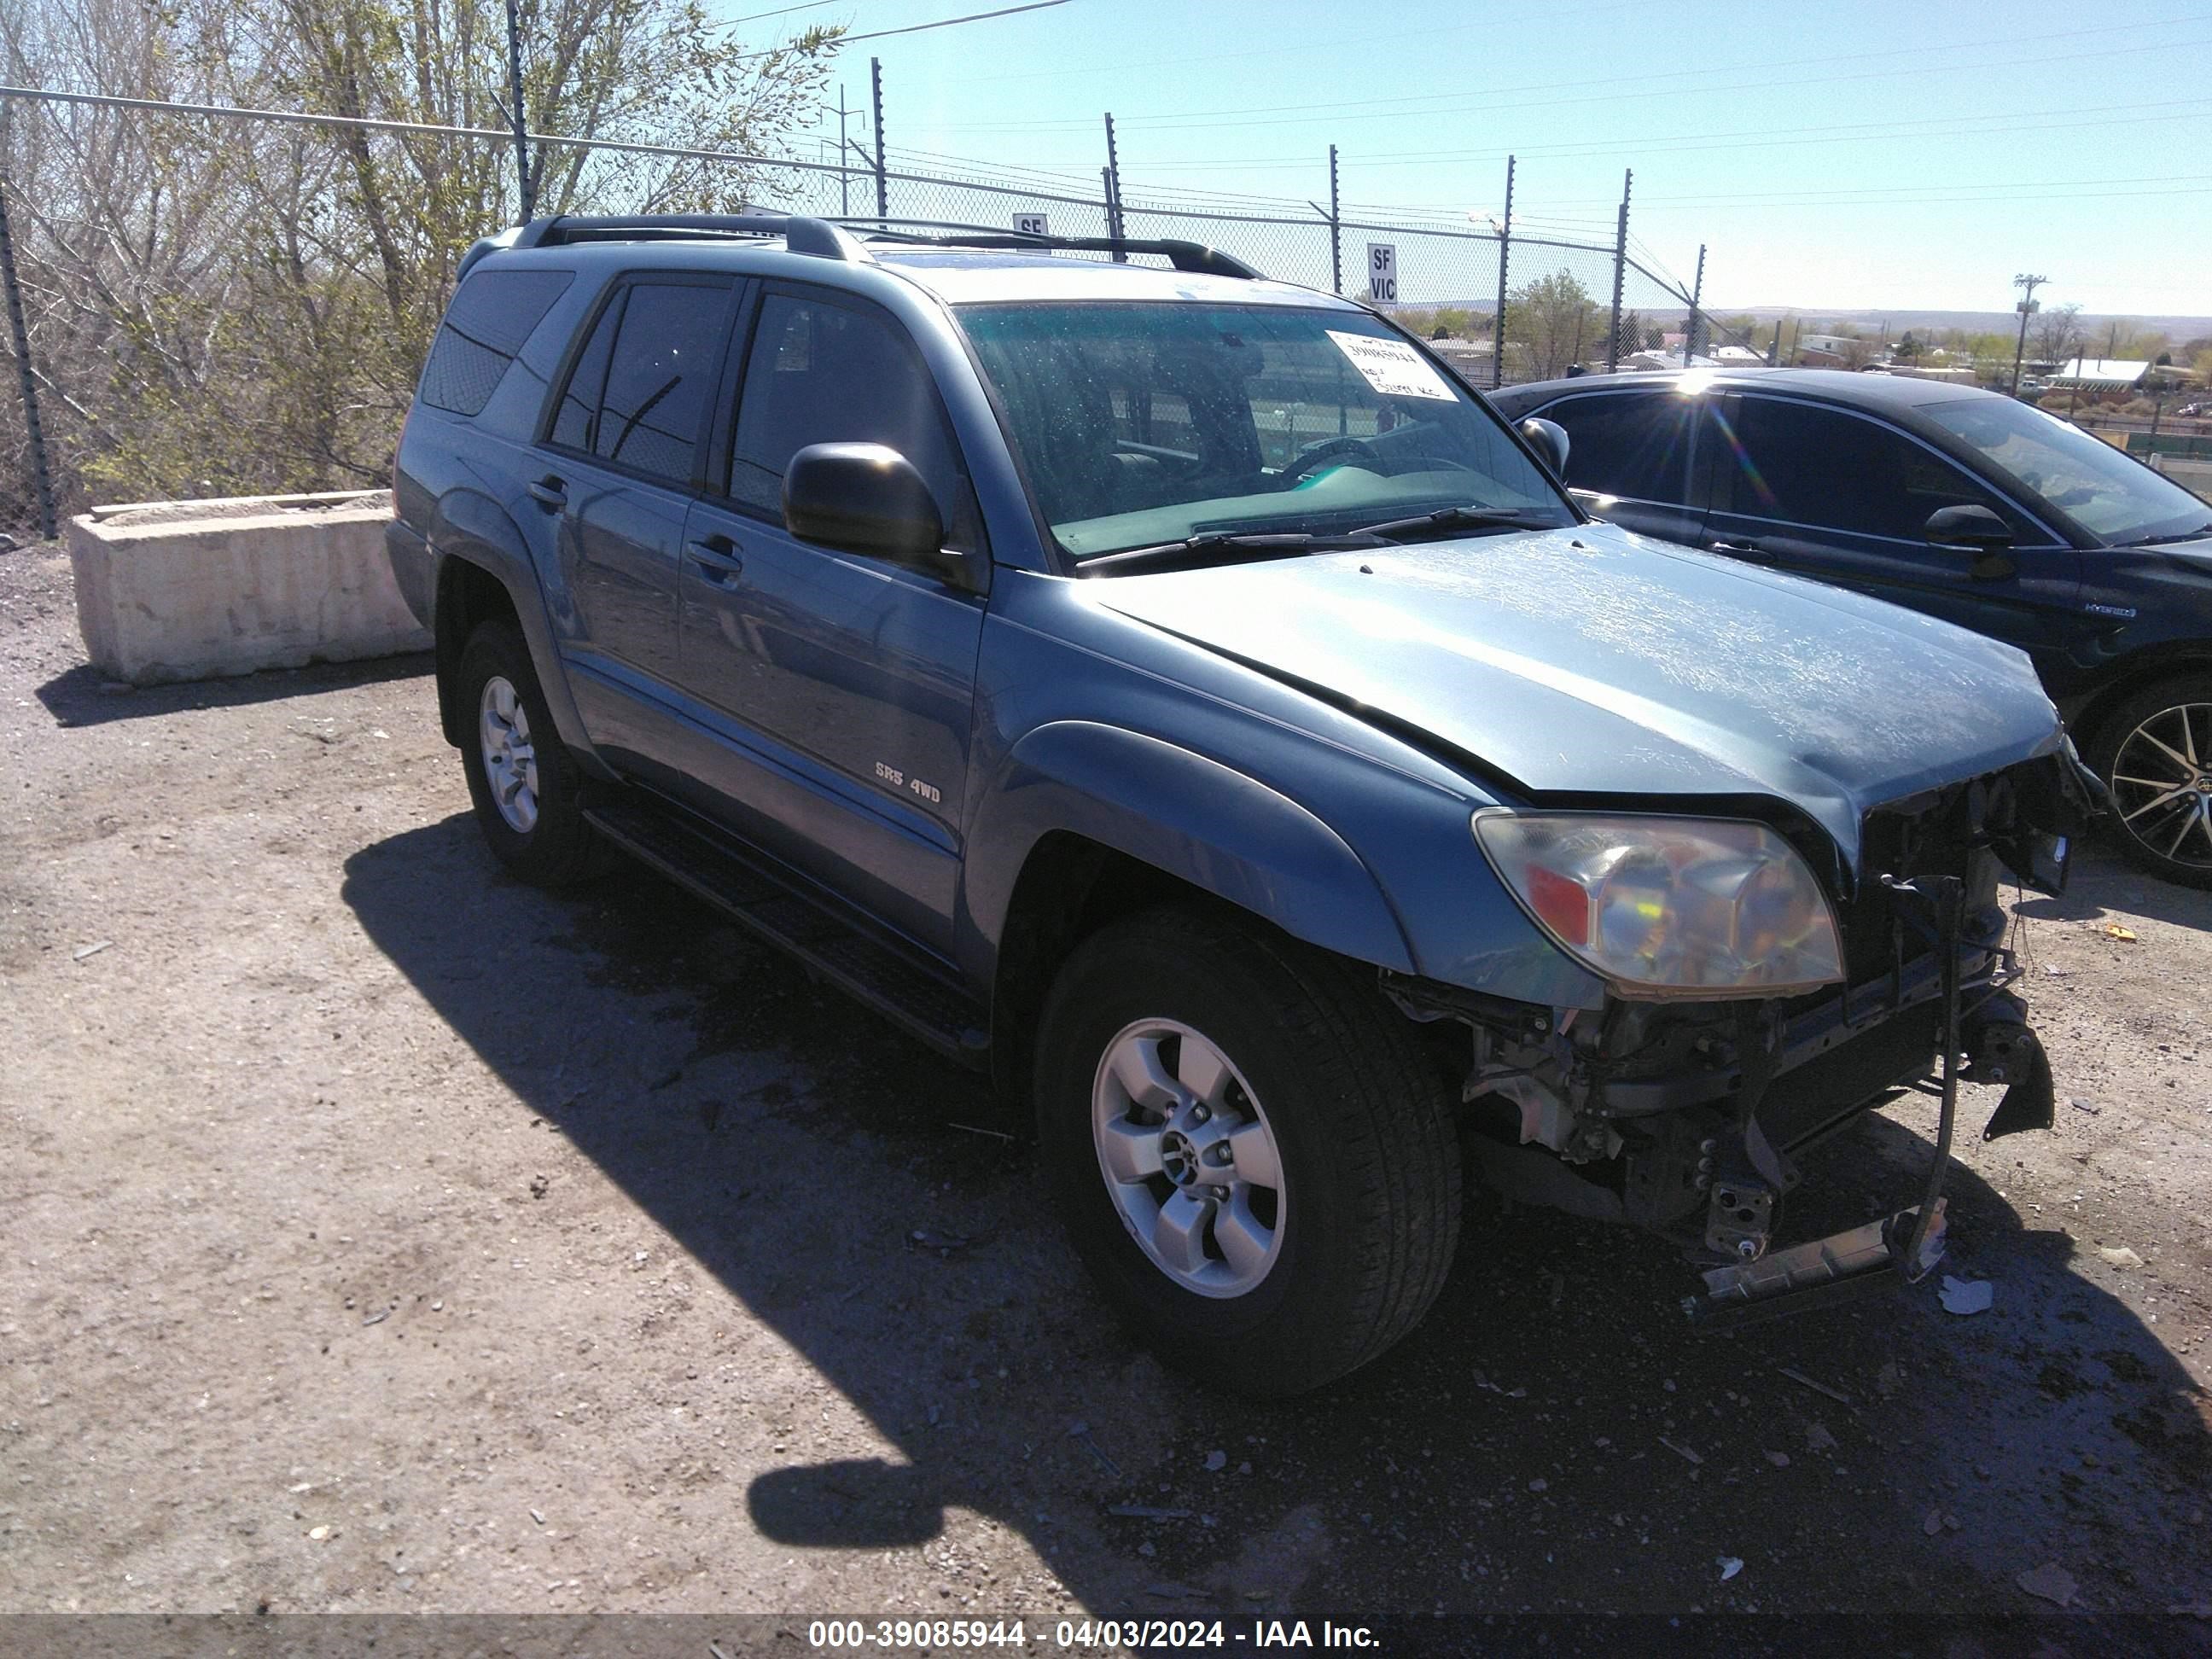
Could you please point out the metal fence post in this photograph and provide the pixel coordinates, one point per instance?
(41, 480)
(1336, 229)
(1498, 323)
(882, 174)
(1696, 295)
(526, 190)
(1115, 227)
(1619, 272)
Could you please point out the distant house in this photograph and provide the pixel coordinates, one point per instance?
(2100, 374)
(1829, 350)
(1737, 356)
(1659, 359)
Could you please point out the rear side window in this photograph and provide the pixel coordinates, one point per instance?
(827, 374)
(492, 314)
(1633, 444)
(641, 385)
(1798, 463)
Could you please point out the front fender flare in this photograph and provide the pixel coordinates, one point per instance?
(1206, 823)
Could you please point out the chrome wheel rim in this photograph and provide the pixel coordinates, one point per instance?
(2162, 781)
(1188, 1158)
(510, 761)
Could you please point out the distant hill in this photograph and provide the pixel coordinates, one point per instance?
(1979, 322)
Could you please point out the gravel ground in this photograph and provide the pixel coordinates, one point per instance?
(376, 1234)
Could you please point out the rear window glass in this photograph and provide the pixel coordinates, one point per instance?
(640, 387)
(491, 316)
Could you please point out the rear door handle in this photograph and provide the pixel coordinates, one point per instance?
(717, 557)
(551, 493)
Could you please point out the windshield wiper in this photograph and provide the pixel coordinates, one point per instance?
(2196, 535)
(1226, 541)
(1449, 519)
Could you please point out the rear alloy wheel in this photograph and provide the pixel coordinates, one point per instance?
(527, 788)
(2154, 752)
(1252, 1152)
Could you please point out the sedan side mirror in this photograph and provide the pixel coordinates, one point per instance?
(1549, 440)
(868, 498)
(1969, 526)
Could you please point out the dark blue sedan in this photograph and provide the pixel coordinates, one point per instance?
(1961, 504)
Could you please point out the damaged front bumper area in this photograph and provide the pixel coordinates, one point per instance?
(1688, 1118)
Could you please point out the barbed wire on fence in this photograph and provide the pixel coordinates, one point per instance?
(175, 373)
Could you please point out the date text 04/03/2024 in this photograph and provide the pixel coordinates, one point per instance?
(1086, 1634)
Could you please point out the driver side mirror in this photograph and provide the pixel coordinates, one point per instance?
(1978, 528)
(870, 499)
(1549, 440)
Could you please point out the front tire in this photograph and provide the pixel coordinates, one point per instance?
(527, 788)
(2154, 750)
(1252, 1153)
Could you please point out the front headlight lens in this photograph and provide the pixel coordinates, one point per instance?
(1670, 906)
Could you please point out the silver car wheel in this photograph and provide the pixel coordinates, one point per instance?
(2162, 779)
(1188, 1158)
(510, 761)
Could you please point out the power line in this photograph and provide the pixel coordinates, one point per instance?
(916, 28)
(1547, 93)
(1849, 132)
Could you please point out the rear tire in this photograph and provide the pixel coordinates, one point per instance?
(2154, 750)
(526, 787)
(1275, 1272)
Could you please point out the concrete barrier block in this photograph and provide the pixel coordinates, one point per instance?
(195, 590)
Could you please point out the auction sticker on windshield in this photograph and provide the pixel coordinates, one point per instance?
(1391, 366)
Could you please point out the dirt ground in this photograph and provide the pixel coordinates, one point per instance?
(376, 1234)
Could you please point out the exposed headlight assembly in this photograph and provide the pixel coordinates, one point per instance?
(1662, 907)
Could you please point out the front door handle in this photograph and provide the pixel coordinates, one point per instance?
(1750, 550)
(549, 493)
(717, 557)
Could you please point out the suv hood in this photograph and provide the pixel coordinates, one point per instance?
(1592, 662)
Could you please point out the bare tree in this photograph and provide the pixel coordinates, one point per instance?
(2058, 333)
(226, 305)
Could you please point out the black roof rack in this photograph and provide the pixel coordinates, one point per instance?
(799, 233)
(1193, 257)
(842, 238)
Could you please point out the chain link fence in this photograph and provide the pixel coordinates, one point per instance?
(218, 306)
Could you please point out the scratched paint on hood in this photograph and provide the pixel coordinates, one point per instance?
(1591, 661)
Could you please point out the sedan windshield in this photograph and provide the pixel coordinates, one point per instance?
(2115, 499)
(1152, 423)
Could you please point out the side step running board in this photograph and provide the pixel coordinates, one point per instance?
(719, 870)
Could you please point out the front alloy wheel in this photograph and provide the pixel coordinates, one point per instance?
(1188, 1158)
(1252, 1151)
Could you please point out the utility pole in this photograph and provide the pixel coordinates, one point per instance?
(1498, 322)
(883, 177)
(41, 483)
(528, 186)
(1697, 295)
(1114, 227)
(2027, 307)
(1335, 230)
(1619, 272)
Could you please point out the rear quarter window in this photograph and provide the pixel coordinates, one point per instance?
(492, 314)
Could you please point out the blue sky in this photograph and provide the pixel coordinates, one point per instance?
(1877, 154)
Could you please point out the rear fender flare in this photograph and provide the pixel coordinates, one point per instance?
(474, 529)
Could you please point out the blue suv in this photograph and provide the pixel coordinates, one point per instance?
(1172, 692)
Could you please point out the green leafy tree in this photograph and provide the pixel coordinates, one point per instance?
(1551, 320)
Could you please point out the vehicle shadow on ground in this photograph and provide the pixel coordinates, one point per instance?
(83, 695)
(1553, 1437)
(2103, 883)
